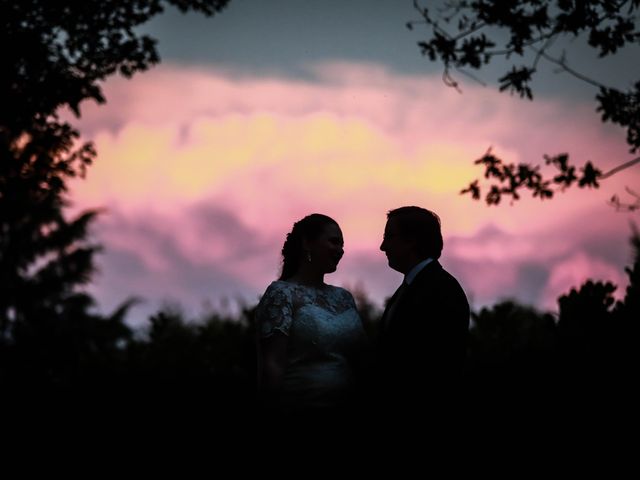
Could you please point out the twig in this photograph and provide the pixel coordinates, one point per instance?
(615, 170)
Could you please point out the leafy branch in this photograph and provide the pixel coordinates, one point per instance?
(509, 179)
(463, 36)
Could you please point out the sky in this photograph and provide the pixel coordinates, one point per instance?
(256, 118)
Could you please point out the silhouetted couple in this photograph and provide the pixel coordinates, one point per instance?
(314, 355)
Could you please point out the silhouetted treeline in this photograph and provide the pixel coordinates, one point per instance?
(583, 359)
(515, 352)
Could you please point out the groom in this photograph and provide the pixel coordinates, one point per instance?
(422, 344)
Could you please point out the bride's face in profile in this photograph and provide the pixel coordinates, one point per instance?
(327, 250)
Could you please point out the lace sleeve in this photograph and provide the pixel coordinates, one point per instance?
(275, 311)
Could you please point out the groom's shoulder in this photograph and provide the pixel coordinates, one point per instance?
(450, 280)
(450, 287)
(435, 273)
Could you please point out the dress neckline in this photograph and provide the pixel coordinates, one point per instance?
(324, 286)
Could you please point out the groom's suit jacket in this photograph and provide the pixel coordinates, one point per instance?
(423, 338)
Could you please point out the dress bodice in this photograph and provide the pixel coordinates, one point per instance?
(325, 340)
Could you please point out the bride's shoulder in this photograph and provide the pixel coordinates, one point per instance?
(278, 286)
(276, 289)
(277, 295)
(341, 293)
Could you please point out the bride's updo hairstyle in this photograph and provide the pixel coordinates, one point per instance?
(309, 228)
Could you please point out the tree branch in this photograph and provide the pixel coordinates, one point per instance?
(565, 67)
(615, 170)
(471, 76)
(546, 45)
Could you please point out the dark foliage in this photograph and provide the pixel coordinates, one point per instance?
(469, 35)
(49, 336)
(54, 56)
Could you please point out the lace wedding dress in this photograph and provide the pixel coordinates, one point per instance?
(325, 345)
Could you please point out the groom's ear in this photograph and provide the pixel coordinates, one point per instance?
(412, 244)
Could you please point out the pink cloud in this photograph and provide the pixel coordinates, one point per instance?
(220, 166)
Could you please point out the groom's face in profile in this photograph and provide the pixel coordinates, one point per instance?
(399, 249)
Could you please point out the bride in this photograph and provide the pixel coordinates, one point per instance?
(310, 337)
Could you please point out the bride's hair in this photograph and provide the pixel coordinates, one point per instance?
(309, 228)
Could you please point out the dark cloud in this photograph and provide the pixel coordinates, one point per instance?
(219, 224)
(125, 270)
(146, 256)
(605, 238)
(494, 265)
(288, 34)
(531, 280)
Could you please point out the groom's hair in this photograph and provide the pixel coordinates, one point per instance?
(422, 225)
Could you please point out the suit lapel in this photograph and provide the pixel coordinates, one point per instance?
(397, 303)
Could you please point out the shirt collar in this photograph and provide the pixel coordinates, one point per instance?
(409, 277)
